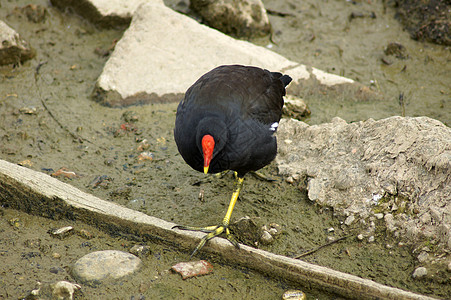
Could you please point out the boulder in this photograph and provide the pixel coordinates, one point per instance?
(164, 52)
(397, 166)
(13, 48)
(239, 18)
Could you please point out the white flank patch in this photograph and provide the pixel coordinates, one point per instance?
(274, 126)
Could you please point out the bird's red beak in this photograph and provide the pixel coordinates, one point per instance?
(208, 144)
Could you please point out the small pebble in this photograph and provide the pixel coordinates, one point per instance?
(293, 295)
(423, 256)
(193, 268)
(360, 237)
(59, 290)
(56, 270)
(62, 232)
(371, 239)
(28, 110)
(16, 223)
(146, 155)
(266, 238)
(274, 229)
(140, 250)
(85, 234)
(379, 216)
(420, 272)
(349, 220)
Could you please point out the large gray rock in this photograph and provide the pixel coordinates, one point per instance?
(239, 18)
(397, 166)
(164, 52)
(13, 49)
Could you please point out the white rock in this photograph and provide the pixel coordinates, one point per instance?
(61, 290)
(420, 272)
(266, 238)
(349, 220)
(423, 256)
(108, 264)
(165, 52)
(379, 215)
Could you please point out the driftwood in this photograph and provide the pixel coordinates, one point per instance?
(39, 194)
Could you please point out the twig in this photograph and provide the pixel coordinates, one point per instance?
(73, 135)
(319, 247)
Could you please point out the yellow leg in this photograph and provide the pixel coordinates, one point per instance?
(236, 193)
(214, 231)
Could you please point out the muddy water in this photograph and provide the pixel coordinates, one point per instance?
(67, 129)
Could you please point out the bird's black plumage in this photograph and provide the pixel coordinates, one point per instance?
(236, 109)
(238, 106)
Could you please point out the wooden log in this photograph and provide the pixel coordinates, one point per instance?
(39, 194)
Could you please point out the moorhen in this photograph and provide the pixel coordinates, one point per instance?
(227, 121)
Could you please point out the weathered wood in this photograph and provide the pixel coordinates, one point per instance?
(39, 194)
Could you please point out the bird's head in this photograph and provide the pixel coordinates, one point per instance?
(208, 145)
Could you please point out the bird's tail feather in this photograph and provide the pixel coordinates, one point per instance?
(286, 79)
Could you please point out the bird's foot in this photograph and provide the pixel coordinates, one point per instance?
(212, 232)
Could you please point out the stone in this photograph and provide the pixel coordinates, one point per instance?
(294, 295)
(420, 272)
(246, 230)
(390, 222)
(239, 18)
(140, 250)
(149, 44)
(13, 48)
(61, 290)
(349, 220)
(266, 238)
(62, 232)
(295, 108)
(107, 14)
(423, 257)
(98, 266)
(346, 164)
(379, 216)
(193, 268)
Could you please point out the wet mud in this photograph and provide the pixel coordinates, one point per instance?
(48, 121)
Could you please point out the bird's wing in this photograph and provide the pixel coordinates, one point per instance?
(264, 100)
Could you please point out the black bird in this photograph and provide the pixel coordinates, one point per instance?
(227, 121)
